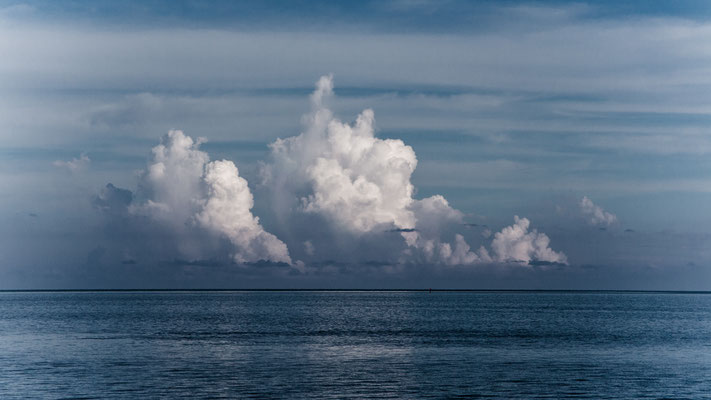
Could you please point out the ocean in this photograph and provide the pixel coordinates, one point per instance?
(353, 344)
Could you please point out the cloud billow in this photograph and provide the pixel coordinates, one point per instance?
(360, 185)
(516, 244)
(75, 164)
(184, 195)
(595, 215)
(335, 193)
(113, 201)
(226, 211)
(357, 181)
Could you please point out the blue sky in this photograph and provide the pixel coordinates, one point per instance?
(512, 108)
(392, 16)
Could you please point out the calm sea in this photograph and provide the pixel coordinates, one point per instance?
(509, 345)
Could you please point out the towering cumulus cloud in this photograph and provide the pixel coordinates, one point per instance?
(360, 186)
(185, 192)
(358, 181)
(226, 210)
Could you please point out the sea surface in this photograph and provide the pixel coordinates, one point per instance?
(409, 345)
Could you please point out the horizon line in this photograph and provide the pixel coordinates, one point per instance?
(428, 290)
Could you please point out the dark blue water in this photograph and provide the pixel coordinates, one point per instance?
(355, 345)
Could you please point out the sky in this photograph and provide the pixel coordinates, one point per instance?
(384, 144)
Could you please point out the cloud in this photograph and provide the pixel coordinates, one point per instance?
(309, 248)
(594, 214)
(358, 183)
(75, 164)
(183, 193)
(545, 263)
(435, 217)
(458, 254)
(335, 187)
(516, 244)
(113, 201)
(227, 211)
(360, 186)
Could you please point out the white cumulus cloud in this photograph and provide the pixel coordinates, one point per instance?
(594, 214)
(226, 210)
(337, 192)
(360, 184)
(75, 164)
(183, 189)
(516, 244)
